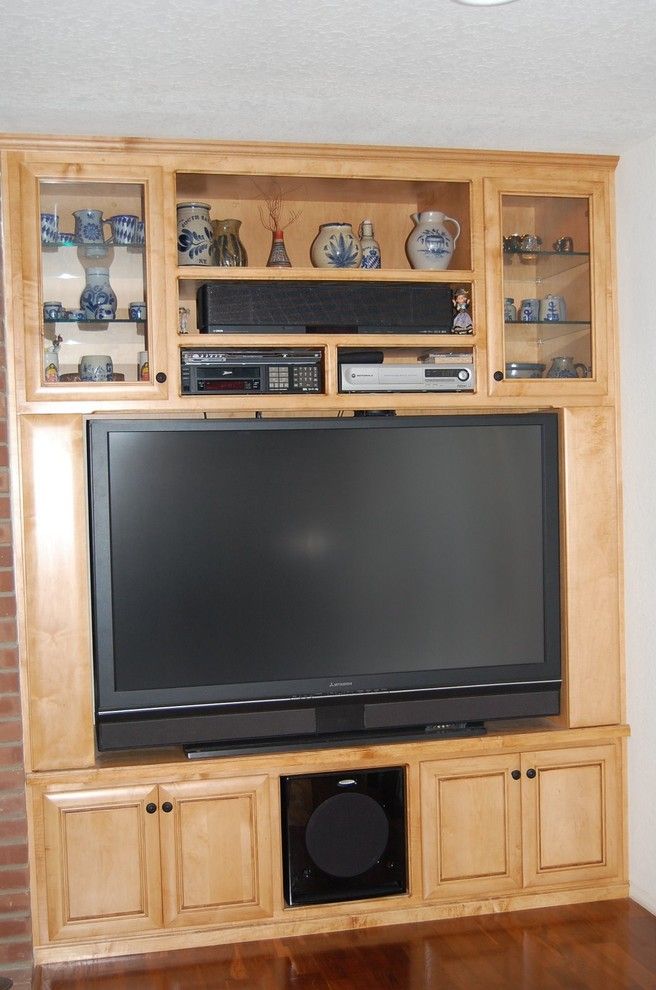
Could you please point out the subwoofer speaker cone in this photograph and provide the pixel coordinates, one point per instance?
(347, 834)
(344, 835)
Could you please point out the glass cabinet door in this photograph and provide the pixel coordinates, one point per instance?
(88, 245)
(548, 303)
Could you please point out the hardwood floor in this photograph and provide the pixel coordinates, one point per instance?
(608, 945)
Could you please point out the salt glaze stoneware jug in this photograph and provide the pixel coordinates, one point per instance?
(98, 299)
(567, 367)
(195, 237)
(430, 245)
(335, 246)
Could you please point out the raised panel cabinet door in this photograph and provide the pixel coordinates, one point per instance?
(216, 850)
(572, 815)
(470, 827)
(101, 862)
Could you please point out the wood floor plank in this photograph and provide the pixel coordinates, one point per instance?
(609, 945)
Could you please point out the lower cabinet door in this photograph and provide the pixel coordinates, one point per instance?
(572, 815)
(101, 862)
(471, 827)
(216, 851)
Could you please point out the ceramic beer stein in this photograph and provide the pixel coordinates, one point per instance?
(553, 309)
(123, 227)
(89, 226)
(96, 368)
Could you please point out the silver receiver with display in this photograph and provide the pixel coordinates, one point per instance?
(407, 377)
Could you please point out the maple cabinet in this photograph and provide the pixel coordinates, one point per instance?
(128, 859)
(500, 824)
(130, 854)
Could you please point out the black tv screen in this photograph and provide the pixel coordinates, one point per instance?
(244, 566)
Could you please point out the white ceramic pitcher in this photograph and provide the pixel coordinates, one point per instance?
(430, 245)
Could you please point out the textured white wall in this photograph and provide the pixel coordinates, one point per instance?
(636, 251)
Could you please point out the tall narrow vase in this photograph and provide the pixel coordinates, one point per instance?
(278, 257)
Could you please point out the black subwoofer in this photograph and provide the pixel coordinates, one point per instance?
(344, 835)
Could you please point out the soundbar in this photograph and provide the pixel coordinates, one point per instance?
(306, 307)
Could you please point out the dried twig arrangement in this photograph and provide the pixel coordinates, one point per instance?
(274, 200)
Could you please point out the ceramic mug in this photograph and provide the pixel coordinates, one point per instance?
(563, 245)
(553, 309)
(89, 226)
(105, 311)
(49, 228)
(123, 227)
(529, 310)
(139, 233)
(137, 311)
(53, 311)
(96, 368)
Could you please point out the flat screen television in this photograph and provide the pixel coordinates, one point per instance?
(278, 583)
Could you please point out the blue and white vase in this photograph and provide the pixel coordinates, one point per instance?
(98, 299)
(430, 245)
(195, 238)
(335, 246)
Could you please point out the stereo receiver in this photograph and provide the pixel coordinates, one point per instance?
(210, 371)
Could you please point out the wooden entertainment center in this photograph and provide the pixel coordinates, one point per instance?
(138, 851)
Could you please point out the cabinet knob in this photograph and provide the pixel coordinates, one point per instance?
(167, 806)
(515, 774)
(498, 376)
(160, 377)
(151, 808)
(531, 773)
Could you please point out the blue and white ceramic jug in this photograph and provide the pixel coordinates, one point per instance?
(430, 245)
(98, 299)
(335, 246)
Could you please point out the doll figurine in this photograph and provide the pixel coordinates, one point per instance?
(462, 321)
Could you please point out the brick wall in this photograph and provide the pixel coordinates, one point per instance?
(15, 940)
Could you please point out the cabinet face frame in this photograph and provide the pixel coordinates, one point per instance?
(596, 193)
(32, 173)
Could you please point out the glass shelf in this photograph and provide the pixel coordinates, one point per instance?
(83, 323)
(547, 323)
(542, 264)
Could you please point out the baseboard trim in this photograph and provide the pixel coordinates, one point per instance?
(288, 924)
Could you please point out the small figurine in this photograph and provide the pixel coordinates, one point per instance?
(462, 321)
(183, 319)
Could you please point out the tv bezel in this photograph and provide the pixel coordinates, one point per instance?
(311, 709)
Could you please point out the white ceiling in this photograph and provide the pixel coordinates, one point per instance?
(559, 75)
